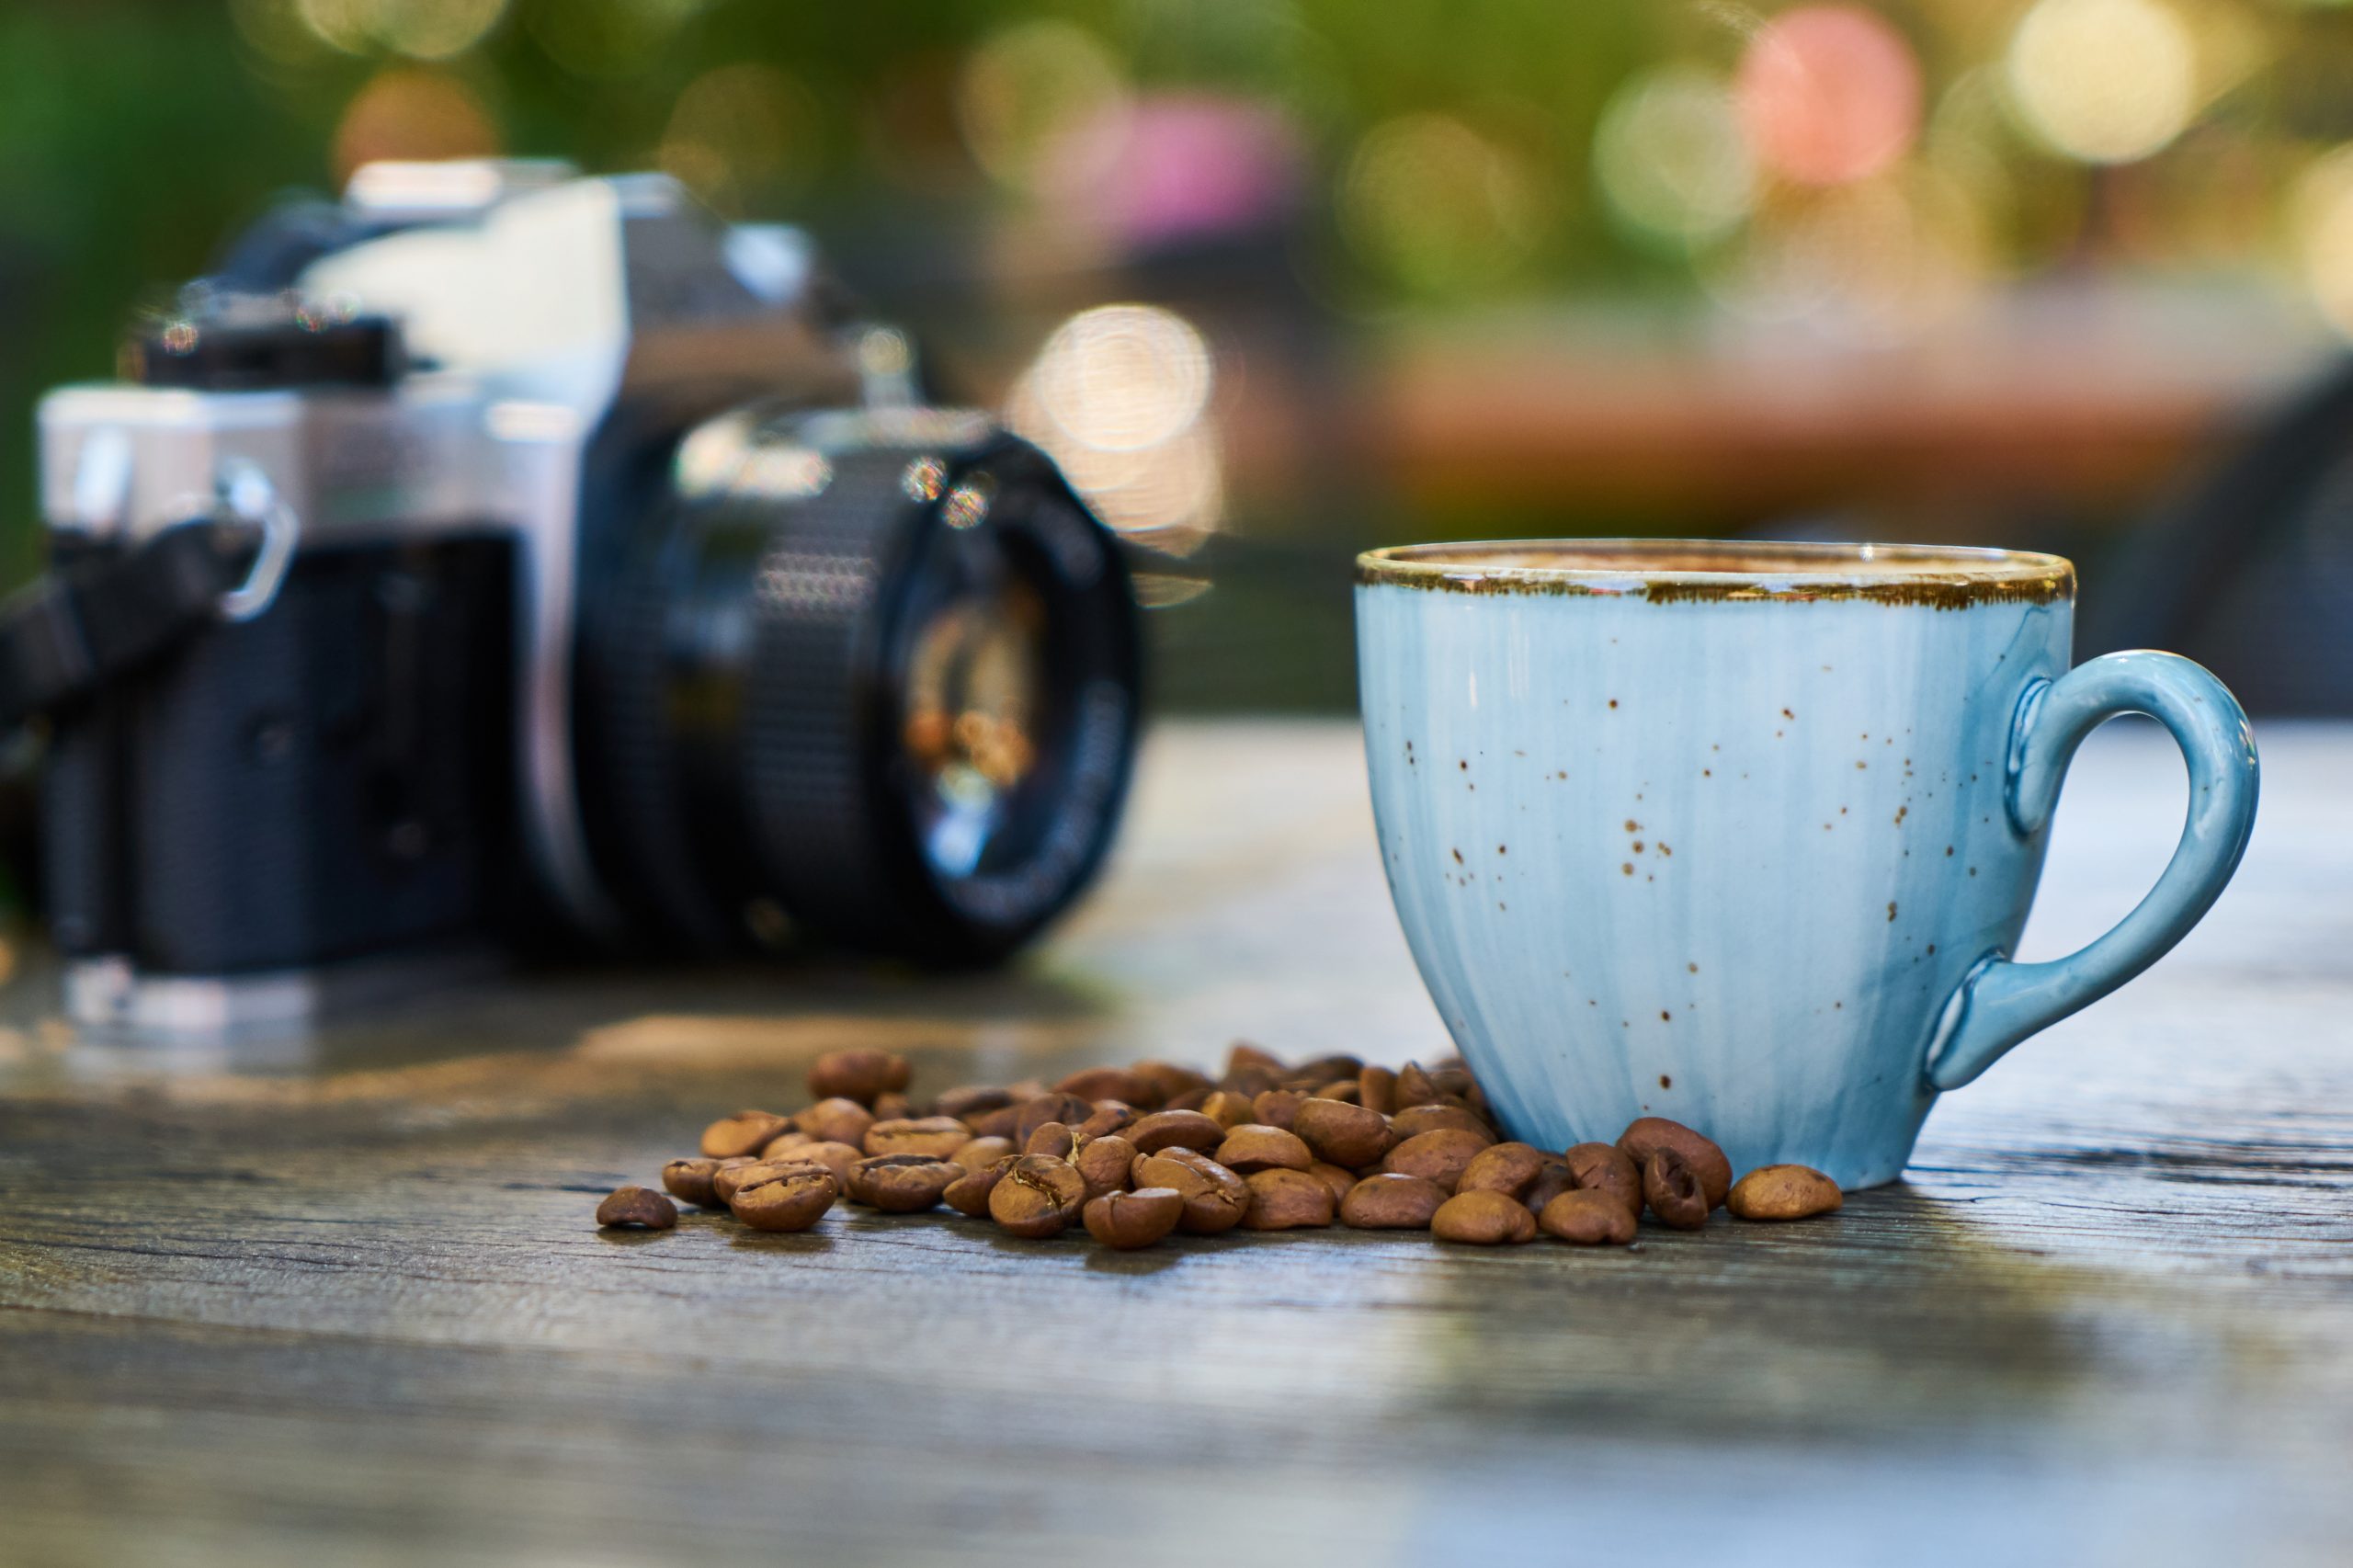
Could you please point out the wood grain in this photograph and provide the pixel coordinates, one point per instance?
(346, 1303)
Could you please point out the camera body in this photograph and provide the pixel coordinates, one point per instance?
(614, 587)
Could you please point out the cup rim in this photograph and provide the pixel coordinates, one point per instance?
(1684, 570)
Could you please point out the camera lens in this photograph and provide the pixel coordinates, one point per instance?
(869, 678)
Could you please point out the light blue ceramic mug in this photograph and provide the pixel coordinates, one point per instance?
(1744, 834)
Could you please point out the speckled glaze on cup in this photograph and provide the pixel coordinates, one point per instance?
(1743, 833)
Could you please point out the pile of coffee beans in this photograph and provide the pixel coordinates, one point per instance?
(1132, 1153)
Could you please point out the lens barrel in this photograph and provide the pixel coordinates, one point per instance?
(866, 678)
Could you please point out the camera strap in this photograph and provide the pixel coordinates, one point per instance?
(91, 623)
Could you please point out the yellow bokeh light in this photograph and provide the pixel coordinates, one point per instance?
(1670, 160)
(1876, 262)
(2323, 222)
(1042, 106)
(2104, 81)
(435, 30)
(737, 132)
(1438, 205)
(346, 25)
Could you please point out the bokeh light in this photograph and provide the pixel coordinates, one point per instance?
(2323, 222)
(1042, 106)
(412, 113)
(346, 25)
(435, 30)
(1670, 158)
(741, 134)
(1438, 206)
(1828, 94)
(2104, 81)
(1119, 397)
(1873, 262)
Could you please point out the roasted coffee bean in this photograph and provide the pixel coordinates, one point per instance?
(790, 1198)
(1276, 1108)
(637, 1208)
(1341, 1089)
(1243, 1056)
(1190, 1100)
(1342, 1133)
(1286, 1199)
(1604, 1167)
(1330, 1069)
(900, 1184)
(1121, 1083)
(1452, 1079)
(730, 1172)
(1784, 1192)
(1392, 1202)
(1415, 1120)
(1052, 1106)
(1672, 1190)
(938, 1136)
(1129, 1219)
(1333, 1177)
(1027, 1090)
(1251, 1082)
(981, 1152)
(969, 1194)
(1053, 1139)
(1508, 1168)
(1215, 1199)
(1587, 1216)
(968, 1100)
(1168, 1081)
(784, 1143)
(892, 1106)
(1412, 1087)
(836, 1157)
(1376, 1089)
(1483, 1219)
(1250, 1148)
(1109, 1116)
(1002, 1122)
(1038, 1196)
(1105, 1163)
(1550, 1183)
(744, 1134)
(1441, 1156)
(1175, 1130)
(860, 1075)
(1228, 1109)
(1707, 1162)
(690, 1182)
(837, 1121)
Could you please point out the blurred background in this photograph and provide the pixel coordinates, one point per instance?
(1278, 280)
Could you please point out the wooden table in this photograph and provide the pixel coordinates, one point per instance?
(351, 1308)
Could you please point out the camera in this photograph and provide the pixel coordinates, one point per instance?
(587, 574)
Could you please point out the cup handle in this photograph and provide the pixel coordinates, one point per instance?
(2002, 1002)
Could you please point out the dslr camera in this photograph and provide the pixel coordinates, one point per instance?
(502, 559)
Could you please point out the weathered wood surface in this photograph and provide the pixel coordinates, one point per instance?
(351, 1310)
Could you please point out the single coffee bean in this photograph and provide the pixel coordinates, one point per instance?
(785, 1142)
(1672, 1190)
(837, 1121)
(1587, 1216)
(1052, 1106)
(836, 1157)
(1392, 1202)
(968, 1100)
(1094, 1084)
(901, 1184)
(1441, 1156)
(861, 1075)
(1376, 1089)
(1483, 1219)
(1129, 1219)
(746, 1132)
(938, 1136)
(1038, 1196)
(1412, 1087)
(1215, 1199)
(1333, 1177)
(1415, 1120)
(1508, 1168)
(1707, 1162)
(1342, 1133)
(1168, 1081)
(1784, 1192)
(1286, 1199)
(690, 1182)
(1243, 1056)
(637, 1208)
(1105, 1163)
(1276, 1108)
(1109, 1116)
(730, 1172)
(1053, 1139)
(1251, 1147)
(1228, 1109)
(789, 1199)
(969, 1194)
(1550, 1183)
(981, 1152)
(1175, 1130)
(892, 1106)
(1002, 1122)
(1604, 1167)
